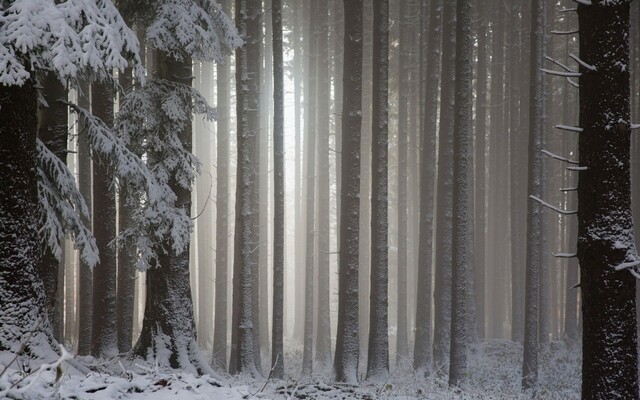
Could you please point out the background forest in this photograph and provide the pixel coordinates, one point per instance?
(317, 191)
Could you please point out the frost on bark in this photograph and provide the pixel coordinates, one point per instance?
(168, 334)
(104, 331)
(422, 348)
(606, 246)
(277, 350)
(378, 354)
(347, 340)
(442, 292)
(534, 188)
(21, 290)
(462, 195)
(246, 253)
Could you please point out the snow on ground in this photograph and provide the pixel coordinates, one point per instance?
(494, 373)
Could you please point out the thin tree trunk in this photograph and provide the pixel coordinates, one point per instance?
(534, 212)
(85, 274)
(462, 194)
(277, 350)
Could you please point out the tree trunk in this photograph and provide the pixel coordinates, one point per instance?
(605, 225)
(310, 242)
(323, 327)
(378, 357)
(277, 350)
(246, 234)
(85, 273)
(126, 258)
(53, 128)
(442, 292)
(22, 295)
(104, 333)
(222, 209)
(347, 343)
(534, 215)
(462, 194)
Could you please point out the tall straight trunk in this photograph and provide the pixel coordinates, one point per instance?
(85, 274)
(517, 182)
(422, 350)
(277, 350)
(534, 212)
(495, 213)
(462, 194)
(605, 225)
(310, 243)
(53, 128)
(223, 95)
(378, 357)
(126, 258)
(298, 73)
(347, 343)
(406, 14)
(480, 169)
(246, 255)
(442, 292)
(204, 211)
(323, 327)
(104, 332)
(22, 295)
(265, 225)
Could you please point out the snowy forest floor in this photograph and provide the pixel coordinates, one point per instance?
(494, 373)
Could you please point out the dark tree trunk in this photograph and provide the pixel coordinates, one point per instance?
(277, 350)
(168, 330)
(422, 350)
(534, 188)
(442, 292)
(347, 343)
(22, 295)
(104, 332)
(462, 237)
(378, 357)
(53, 128)
(605, 225)
(85, 274)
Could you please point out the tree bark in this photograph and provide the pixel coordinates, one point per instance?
(534, 188)
(347, 343)
(104, 332)
(462, 194)
(605, 225)
(378, 357)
